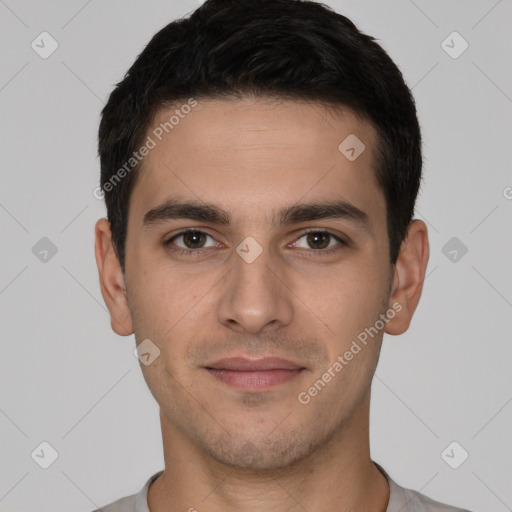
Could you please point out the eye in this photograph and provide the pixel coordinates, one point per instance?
(320, 241)
(195, 241)
(192, 240)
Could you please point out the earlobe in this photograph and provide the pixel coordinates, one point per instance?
(408, 278)
(112, 284)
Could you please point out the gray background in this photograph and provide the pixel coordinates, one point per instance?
(67, 379)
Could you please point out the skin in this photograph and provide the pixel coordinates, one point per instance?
(226, 449)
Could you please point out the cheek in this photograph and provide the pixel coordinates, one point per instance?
(348, 300)
(170, 308)
(155, 306)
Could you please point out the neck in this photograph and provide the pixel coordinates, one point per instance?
(339, 475)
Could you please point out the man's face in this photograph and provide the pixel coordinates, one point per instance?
(285, 292)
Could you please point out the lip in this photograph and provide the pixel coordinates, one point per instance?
(254, 374)
(253, 365)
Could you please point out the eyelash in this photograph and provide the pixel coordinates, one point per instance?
(198, 252)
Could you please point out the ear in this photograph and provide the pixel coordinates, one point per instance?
(112, 283)
(408, 277)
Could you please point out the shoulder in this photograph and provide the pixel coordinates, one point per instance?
(418, 502)
(134, 503)
(407, 500)
(126, 504)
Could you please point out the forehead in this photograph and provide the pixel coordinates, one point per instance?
(255, 123)
(239, 152)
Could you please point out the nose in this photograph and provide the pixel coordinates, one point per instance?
(255, 296)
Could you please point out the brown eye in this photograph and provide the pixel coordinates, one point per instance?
(192, 239)
(320, 241)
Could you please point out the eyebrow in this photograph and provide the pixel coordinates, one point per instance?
(293, 214)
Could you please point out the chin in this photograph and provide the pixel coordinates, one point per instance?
(263, 454)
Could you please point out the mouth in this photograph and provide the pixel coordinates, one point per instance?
(254, 375)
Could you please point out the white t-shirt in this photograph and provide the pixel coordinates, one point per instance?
(400, 500)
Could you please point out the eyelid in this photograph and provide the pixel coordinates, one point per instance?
(342, 242)
(169, 240)
(340, 239)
